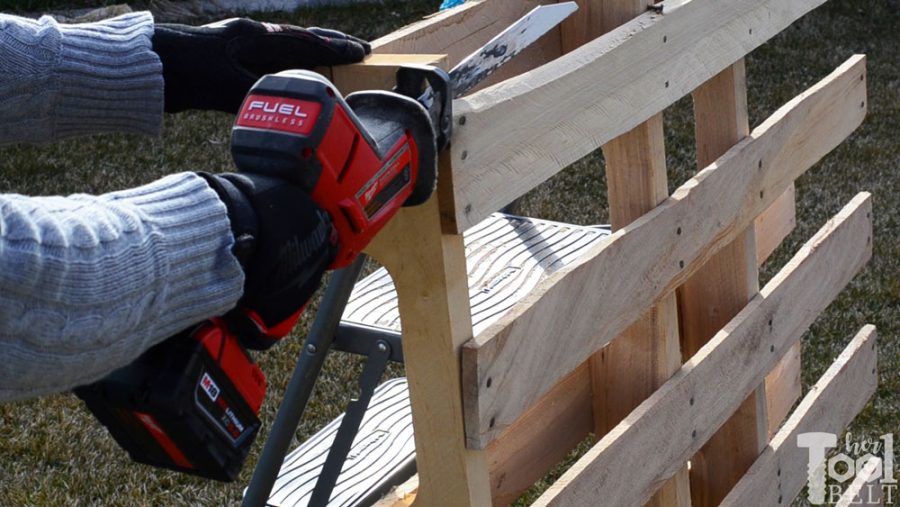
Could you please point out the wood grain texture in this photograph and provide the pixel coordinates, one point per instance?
(632, 366)
(664, 248)
(651, 444)
(718, 291)
(379, 71)
(429, 272)
(541, 438)
(522, 131)
(783, 389)
(780, 472)
(456, 32)
(775, 224)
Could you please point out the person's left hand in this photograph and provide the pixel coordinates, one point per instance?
(213, 66)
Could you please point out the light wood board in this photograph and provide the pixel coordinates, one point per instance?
(429, 272)
(520, 132)
(653, 442)
(780, 472)
(551, 331)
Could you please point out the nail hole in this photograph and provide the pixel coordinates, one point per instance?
(665, 38)
(862, 76)
(762, 193)
(873, 371)
(667, 84)
(760, 163)
(772, 348)
(462, 120)
(692, 401)
(465, 154)
(493, 421)
(770, 322)
(468, 209)
(694, 434)
(868, 214)
(751, 31)
(680, 264)
(779, 472)
(862, 104)
(678, 231)
(490, 381)
(779, 498)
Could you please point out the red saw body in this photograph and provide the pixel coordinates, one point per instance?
(360, 159)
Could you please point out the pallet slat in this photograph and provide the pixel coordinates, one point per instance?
(780, 472)
(520, 132)
(668, 245)
(456, 32)
(652, 443)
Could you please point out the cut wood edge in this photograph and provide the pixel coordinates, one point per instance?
(515, 354)
(781, 471)
(520, 132)
(679, 418)
(456, 32)
(377, 71)
(401, 496)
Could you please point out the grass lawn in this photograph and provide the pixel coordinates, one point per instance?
(53, 453)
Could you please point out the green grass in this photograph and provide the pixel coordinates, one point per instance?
(53, 453)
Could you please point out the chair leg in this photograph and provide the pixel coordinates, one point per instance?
(312, 357)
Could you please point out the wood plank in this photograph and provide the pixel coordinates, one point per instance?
(522, 131)
(780, 472)
(718, 291)
(378, 71)
(631, 367)
(783, 389)
(456, 32)
(541, 438)
(666, 246)
(865, 489)
(775, 224)
(650, 445)
(429, 272)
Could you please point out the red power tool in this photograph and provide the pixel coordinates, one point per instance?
(191, 403)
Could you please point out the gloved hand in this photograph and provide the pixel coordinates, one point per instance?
(213, 66)
(284, 242)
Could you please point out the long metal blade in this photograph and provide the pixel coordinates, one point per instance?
(510, 42)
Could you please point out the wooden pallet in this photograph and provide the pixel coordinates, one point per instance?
(659, 339)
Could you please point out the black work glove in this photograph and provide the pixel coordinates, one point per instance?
(213, 66)
(284, 243)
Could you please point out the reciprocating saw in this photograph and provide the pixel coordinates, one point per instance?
(192, 402)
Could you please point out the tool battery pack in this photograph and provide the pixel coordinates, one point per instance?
(189, 404)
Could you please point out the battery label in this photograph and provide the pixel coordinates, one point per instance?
(218, 409)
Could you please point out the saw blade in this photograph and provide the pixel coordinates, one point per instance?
(505, 46)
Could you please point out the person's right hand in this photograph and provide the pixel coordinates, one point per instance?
(284, 243)
(213, 66)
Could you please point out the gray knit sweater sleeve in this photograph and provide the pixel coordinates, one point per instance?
(64, 80)
(87, 283)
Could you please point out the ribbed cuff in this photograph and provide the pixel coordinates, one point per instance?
(203, 278)
(110, 78)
